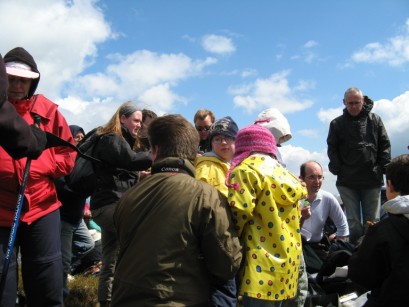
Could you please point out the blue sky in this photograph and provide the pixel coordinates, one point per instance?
(235, 58)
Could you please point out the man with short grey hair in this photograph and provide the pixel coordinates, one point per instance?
(358, 150)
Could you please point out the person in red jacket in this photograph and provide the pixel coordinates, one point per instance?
(38, 236)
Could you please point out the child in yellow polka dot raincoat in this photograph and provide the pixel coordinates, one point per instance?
(264, 197)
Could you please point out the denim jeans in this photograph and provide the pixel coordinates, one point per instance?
(104, 218)
(76, 242)
(361, 205)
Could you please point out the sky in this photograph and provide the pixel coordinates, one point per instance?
(235, 58)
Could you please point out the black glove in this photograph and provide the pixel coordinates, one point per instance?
(41, 140)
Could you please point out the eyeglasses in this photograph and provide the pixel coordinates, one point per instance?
(220, 139)
(315, 177)
(201, 128)
(353, 103)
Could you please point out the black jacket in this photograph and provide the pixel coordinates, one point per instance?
(72, 209)
(382, 262)
(358, 149)
(119, 172)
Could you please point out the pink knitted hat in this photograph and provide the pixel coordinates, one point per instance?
(253, 138)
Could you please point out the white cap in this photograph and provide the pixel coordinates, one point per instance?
(20, 70)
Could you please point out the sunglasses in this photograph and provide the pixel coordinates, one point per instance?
(200, 128)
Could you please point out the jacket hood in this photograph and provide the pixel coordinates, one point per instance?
(19, 54)
(368, 105)
(4, 84)
(276, 123)
(212, 157)
(366, 108)
(398, 205)
(75, 129)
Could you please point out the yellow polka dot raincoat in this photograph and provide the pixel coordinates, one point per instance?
(266, 213)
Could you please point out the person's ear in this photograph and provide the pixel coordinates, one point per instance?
(155, 152)
(122, 119)
(390, 186)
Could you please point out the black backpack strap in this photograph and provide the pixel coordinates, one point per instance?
(54, 141)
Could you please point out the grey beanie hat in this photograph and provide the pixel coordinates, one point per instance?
(225, 126)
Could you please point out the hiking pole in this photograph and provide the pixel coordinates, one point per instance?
(13, 231)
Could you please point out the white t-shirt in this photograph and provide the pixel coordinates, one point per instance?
(324, 206)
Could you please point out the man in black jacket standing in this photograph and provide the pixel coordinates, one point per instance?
(358, 150)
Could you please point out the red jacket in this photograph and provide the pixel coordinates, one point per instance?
(40, 197)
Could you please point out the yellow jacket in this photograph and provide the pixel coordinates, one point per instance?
(212, 170)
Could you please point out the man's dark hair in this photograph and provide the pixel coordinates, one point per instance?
(148, 113)
(304, 165)
(174, 136)
(397, 172)
(201, 115)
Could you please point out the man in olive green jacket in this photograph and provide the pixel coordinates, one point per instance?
(175, 232)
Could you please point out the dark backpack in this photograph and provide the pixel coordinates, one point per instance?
(82, 179)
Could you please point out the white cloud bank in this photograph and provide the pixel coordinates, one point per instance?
(218, 44)
(394, 52)
(274, 91)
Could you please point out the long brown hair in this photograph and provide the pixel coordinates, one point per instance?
(114, 124)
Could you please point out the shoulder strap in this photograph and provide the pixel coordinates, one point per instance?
(54, 141)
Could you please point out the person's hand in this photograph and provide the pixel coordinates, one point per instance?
(41, 141)
(305, 212)
(144, 174)
(332, 237)
(87, 214)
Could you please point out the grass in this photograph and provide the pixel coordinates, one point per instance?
(83, 292)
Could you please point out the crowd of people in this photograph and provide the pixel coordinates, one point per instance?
(202, 214)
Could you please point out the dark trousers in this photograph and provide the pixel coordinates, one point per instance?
(40, 248)
(223, 294)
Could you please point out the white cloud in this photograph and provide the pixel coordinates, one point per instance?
(249, 72)
(160, 97)
(327, 115)
(308, 55)
(310, 44)
(394, 52)
(310, 133)
(272, 92)
(218, 44)
(395, 114)
(133, 74)
(87, 114)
